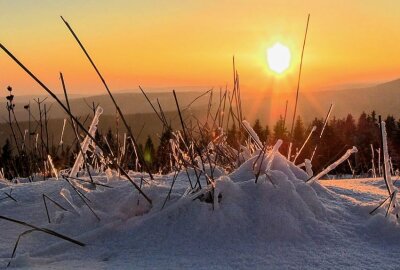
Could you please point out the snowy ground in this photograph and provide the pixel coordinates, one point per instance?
(284, 225)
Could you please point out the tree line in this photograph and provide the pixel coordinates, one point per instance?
(339, 135)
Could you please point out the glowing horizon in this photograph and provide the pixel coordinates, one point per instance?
(172, 44)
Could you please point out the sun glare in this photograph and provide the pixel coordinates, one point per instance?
(278, 58)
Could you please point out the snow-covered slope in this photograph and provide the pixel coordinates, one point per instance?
(280, 222)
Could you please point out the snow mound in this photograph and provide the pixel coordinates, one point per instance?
(277, 222)
(278, 163)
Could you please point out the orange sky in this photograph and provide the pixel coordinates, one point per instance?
(191, 43)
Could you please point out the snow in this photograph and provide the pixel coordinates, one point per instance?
(280, 222)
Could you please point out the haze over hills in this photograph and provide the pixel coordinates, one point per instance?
(383, 98)
(130, 103)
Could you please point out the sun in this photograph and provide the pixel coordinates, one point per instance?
(278, 58)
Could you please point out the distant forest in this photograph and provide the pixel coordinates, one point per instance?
(338, 136)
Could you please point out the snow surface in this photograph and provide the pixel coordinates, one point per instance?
(280, 222)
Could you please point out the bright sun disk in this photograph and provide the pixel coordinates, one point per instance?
(278, 58)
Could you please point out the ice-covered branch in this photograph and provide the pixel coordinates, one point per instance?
(52, 166)
(386, 165)
(271, 154)
(62, 132)
(334, 165)
(252, 133)
(308, 165)
(373, 161)
(314, 128)
(86, 142)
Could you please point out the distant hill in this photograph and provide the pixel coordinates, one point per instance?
(383, 98)
(142, 125)
(130, 103)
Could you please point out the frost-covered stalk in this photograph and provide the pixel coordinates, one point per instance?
(244, 154)
(45, 169)
(386, 165)
(351, 168)
(373, 161)
(271, 155)
(108, 145)
(86, 142)
(252, 133)
(289, 151)
(62, 132)
(334, 165)
(124, 146)
(391, 166)
(67, 196)
(52, 166)
(23, 145)
(174, 149)
(36, 140)
(308, 166)
(322, 131)
(314, 128)
(136, 156)
(379, 162)
(99, 161)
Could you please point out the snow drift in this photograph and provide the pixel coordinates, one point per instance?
(277, 222)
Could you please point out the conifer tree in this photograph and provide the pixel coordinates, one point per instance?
(149, 152)
(258, 129)
(164, 152)
(7, 160)
(298, 133)
(280, 131)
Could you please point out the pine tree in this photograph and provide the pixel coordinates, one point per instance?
(266, 134)
(298, 133)
(149, 152)
(164, 152)
(111, 141)
(365, 136)
(7, 160)
(280, 131)
(258, 129)
(349, 130)
(6, 153)
(393, 131)
(390, 126)
(373, 117)
(98, 136)
(232, 137)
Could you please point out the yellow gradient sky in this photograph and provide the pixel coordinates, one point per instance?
(191, 43)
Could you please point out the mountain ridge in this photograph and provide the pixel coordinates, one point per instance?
(384, 98)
